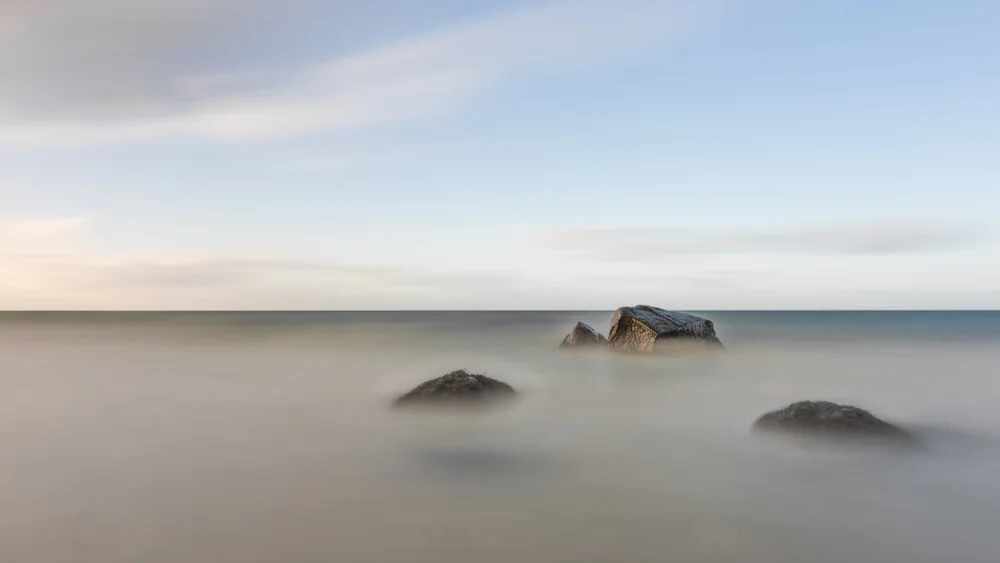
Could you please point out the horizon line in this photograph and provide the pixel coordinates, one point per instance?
(814, 310)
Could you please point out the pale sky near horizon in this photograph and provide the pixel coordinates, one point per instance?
(499, 154)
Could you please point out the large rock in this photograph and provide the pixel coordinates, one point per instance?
(457, 388)
(583, 335)
(828, 419)
(648, 329)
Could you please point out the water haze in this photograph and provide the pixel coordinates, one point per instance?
(264, 437)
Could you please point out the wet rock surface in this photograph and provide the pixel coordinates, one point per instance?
(646, 329)
(457, 388)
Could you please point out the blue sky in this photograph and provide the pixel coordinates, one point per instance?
(577, 154)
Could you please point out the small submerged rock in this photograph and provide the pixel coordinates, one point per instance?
(583, 335)
(646, 329)
(457, 388)
(823, 418)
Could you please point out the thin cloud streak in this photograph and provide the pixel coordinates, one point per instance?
(39, 236)
(646, 244)
(409, 80)
(49, 264)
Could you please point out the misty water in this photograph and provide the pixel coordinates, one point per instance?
(218, 438)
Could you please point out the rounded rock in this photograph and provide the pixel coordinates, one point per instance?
(583, 335)
(828, 419)
(457, 388)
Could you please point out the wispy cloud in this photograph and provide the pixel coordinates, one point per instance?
(411, 79)
(40, 235)
(646, 244)
(51, 264)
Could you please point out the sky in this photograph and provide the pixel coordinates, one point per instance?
(499, 154)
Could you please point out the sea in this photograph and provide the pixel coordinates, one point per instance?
(268, 437)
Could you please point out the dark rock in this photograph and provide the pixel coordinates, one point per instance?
(583, 335)
(828, 419)
(648, 329)
(457, 388)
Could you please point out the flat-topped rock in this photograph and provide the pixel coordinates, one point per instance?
(645, 329)
(457, 388)
(824, 418)
(583, 336)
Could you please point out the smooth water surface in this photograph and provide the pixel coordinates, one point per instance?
(266, 437)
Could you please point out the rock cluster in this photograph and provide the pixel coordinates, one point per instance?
(644, 329)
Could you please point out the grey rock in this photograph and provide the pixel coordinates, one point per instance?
(457, 388)
(645, 329)
(828, 419)
(583, 335)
